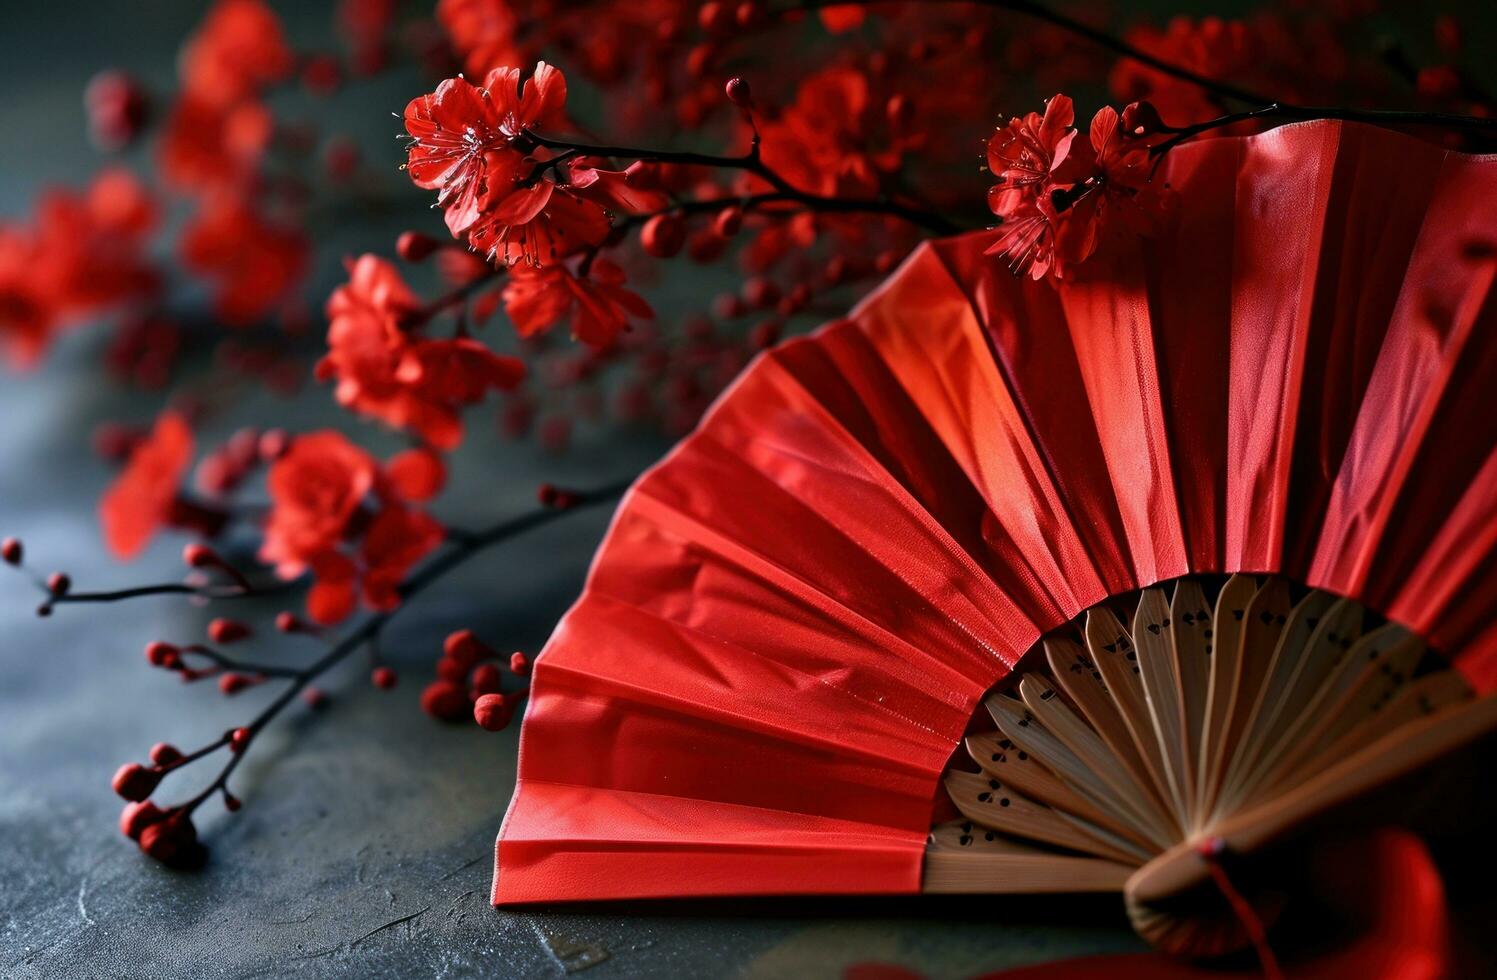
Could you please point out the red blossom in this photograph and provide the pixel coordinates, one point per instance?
(208, 147)
(469, 144)
(397, 539)
(1058, 197)
(597, 304)
(83, 253)
(315, 491)
(335, 513)
(482, 31)
(821, 143)
(141, 498)
(238, 49)
(385, 371)
(254, 263)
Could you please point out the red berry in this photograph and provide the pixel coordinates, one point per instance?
(384, 678)
(11, 551)
(165, 753)
(231, 802)
(739, 93)
(485, 680)
(288, 622)
(519, 664)
(444, 700)
(493, 712)
(135, 782)
(233, 683)
(413, 246)
(314, 697)
(136, 817)
(239, 739)
(223, 630)
(58, 583)
(663, 235)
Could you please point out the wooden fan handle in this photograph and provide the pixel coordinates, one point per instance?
(1182, 867)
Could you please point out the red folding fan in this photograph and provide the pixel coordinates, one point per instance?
(797, 616)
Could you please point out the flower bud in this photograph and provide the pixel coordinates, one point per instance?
(117, 109)
(463, 648)
(760, 292)
(663, 235)
(485, 680)
(136, 817)
(1141, 119)
(273, 444)
(223, 630)
(550, 495)
(764, 335)
(452, 671)
(728, 222)
(384, 678)
(162, 654)
(749, 14)
(715, 17)
(445, 700)
(414, 246)
(900, 110)
(11, 551)
(173, 841)
(200, 556)
(493, 712)
(135, 782)
(739, 93)
(165, 753)
(519, 664)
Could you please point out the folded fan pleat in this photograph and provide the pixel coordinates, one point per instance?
(794, 615)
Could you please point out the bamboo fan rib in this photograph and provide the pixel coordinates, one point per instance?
(1114, 757)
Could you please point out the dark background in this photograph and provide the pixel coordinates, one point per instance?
(371, 813)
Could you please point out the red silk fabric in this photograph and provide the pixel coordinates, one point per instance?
(794, 615)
